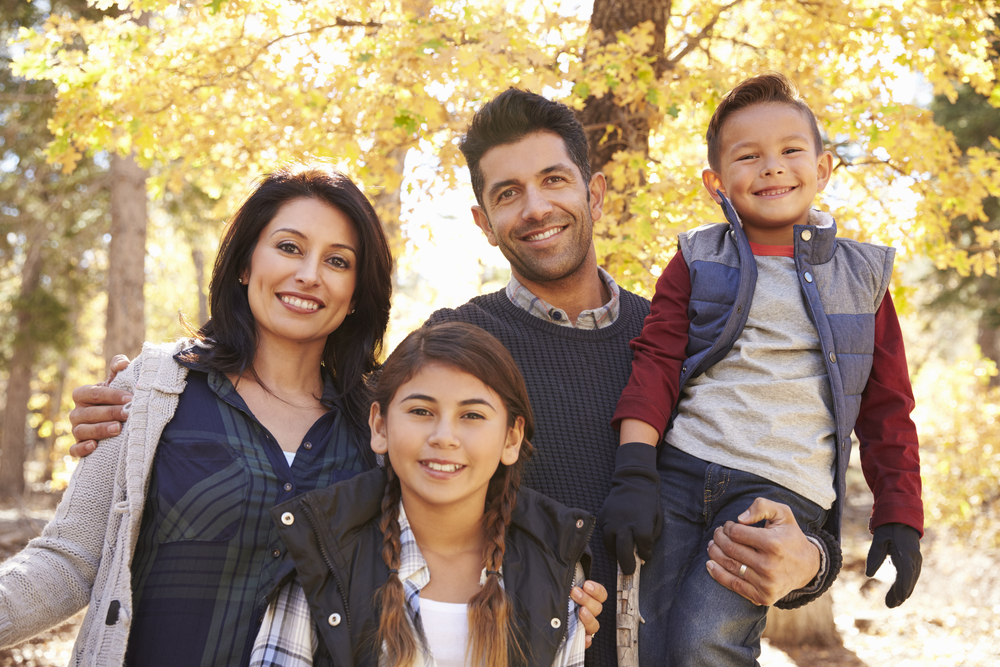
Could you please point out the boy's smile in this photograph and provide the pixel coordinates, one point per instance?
(770, 170)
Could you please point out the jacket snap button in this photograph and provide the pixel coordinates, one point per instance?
(808, 277)
(288, 486)
(806, 234)
(579, 523)
(833, 357)
(555, 623)
(334, 619)
(287, 518)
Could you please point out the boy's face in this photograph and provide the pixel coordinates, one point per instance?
(770, 170)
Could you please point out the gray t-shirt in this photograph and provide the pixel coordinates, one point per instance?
(767, 408)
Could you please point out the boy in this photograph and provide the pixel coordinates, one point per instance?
(768, 342)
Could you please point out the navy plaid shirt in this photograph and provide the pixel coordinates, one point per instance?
(207, 549)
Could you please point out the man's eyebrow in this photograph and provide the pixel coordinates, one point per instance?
(561, 167)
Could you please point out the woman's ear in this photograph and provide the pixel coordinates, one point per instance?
(512, 447)
(380, 443)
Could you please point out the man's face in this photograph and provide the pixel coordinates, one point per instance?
(536, 209)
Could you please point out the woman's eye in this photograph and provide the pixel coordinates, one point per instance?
(339, 262)
(288, 246)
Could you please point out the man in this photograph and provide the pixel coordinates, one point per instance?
(568, 326)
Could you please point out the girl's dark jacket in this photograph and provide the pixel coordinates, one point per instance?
(332, 535)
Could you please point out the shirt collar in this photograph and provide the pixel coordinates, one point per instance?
(596, 318)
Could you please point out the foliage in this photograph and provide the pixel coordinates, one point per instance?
(212, 91)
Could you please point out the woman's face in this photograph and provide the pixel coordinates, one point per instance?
(302, 273)
(446, 433)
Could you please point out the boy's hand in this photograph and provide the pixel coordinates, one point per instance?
(902, 544)
(591, 599)
(632, 516)
(778, 557)
(99, 410)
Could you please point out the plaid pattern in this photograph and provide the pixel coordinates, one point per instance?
(207, 549)
(287, 638)
(597, 318)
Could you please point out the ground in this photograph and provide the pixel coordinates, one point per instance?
(952, 619)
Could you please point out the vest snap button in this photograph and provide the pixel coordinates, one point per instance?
(287, 518)
(579, 523)
(806, 234)
(555, 623)
(334, 620)
(833, 358)
(809, 277)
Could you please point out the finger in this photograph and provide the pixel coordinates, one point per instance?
(84, 415)
(734, 558)
(626, 552)
(81, 449)
(734, 583)
(589, 640)
(731, 549)
(596, 591)
(95, 394)
(84, 432)
(876, 556)
(119, 362)
(763, 509)
(907, 573)
(586, 615)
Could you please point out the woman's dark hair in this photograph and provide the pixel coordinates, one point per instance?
(467, 348)
(352, 350)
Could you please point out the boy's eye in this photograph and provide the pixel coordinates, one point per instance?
(793, 150)
(746, 157)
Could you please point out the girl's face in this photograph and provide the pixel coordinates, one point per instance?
(302, 273)
(446, 433)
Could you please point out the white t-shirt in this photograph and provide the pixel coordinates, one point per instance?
(446, 626)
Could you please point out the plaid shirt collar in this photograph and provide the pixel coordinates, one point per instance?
(596, 318)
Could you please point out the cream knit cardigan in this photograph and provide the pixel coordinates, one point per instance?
(84, 554)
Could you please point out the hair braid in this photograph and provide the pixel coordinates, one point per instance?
(394, 628)
(491, 639)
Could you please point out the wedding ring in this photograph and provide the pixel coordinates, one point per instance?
(743, 571)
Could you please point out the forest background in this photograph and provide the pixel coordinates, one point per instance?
(130, 130)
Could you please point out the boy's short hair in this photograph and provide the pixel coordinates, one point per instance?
(762, 89)
(513, 115)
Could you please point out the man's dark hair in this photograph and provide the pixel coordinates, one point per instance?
(770, 88)
(513, 115)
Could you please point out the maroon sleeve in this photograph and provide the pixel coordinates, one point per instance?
(889, 450)
(659, 351)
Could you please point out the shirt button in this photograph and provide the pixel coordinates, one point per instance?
(556, 315)
(288, 486)
(555, 623)
(806, 234)
(307, 445)
(334, 620)
(276, 553)
(808, 277)
(287, 518)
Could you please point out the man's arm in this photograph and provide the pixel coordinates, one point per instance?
(100, 410)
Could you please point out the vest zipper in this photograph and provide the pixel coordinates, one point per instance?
(329, 564)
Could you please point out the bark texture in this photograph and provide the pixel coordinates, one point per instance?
(126, 259)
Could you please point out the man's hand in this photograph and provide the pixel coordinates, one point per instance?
(632, 517)
(902, 544)
(591, 600)
(778, 557)
(99, 410)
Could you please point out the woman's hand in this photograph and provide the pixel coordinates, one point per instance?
(591, 600)
(100, 410)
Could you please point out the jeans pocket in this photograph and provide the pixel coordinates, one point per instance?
(202, 489)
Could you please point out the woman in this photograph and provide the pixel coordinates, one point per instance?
(174, 553)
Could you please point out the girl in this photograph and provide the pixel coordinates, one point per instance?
(439, 558)
(164, 530)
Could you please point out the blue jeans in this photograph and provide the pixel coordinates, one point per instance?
(690, 618)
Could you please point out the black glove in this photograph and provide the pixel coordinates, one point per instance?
(902, 544)
(632, 516)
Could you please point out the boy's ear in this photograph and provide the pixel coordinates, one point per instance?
(713, 182)
(512, 447)
(380, 443)
(598, 187)
(824, 169)
(483, 222)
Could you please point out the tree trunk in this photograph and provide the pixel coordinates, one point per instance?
(198, 257)
(388, 205)
(811, 625)
(126, 259)
(13, 448)
(631, 127)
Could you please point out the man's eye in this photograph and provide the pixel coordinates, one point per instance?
(506, 194)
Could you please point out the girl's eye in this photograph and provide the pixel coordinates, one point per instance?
(474, 415)
(420, 412)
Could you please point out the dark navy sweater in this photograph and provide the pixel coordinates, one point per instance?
(574, 379)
